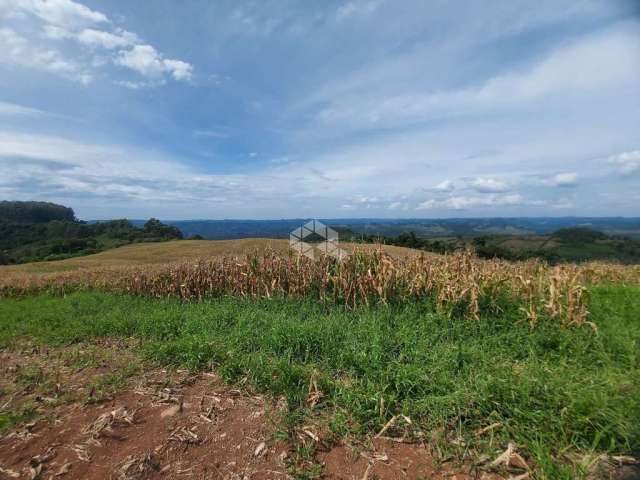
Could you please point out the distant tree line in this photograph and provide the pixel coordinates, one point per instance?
(31, 231)
(405, 239)
(566, 245)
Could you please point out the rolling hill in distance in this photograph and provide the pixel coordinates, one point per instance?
(447, 227)
(36, 231)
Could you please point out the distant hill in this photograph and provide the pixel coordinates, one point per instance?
(576, 244)
(33, 231)
(423, 228)
(234, 229)
(573, 244)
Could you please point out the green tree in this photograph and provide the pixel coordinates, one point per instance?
(154, 228)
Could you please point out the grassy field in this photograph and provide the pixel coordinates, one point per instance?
(463, 354)
(556, 392)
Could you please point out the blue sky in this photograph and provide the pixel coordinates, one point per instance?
(350, 108)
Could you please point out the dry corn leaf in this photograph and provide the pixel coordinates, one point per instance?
(510, 458)
(9, 473)
(260, 449)
(63, 470)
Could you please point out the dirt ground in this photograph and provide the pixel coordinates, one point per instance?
(196, 429)
(93, 412)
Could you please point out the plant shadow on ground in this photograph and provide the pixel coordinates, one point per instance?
(557, 392)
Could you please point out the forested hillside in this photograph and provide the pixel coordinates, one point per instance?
(31, 231)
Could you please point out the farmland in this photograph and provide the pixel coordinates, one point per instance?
(169, 252)
(481, 368)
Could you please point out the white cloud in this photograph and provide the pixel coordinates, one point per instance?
(63, 13)
(398, 206)
(464, 202)
(43, 166)
(131, 85)
(92, 37)
(121, 38)
(18, 51)
(146, 60)
(524, 154)
(142, 58)
(70, 20)
(56, 33)
(567, 179)
(179, 69)
(51, 164)
(357, 8)
(250, 20)
(562, 205)
(213, 134)
(444, 186)
(488, 185)
(14, 109)
(592, 65)
(627, 162)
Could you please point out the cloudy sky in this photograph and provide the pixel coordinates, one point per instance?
(336, 108)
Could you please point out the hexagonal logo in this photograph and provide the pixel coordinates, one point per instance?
(314, 238)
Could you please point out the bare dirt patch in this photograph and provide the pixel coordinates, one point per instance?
(391, 460)
(166, 426)
(94, 412)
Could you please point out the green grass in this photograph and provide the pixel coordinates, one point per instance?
(106, 386)
(11, 419)
(554, 389)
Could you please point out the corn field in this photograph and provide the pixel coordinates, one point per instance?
(458, 284)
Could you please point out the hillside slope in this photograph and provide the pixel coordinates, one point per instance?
(173, 251)
(36, 231)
